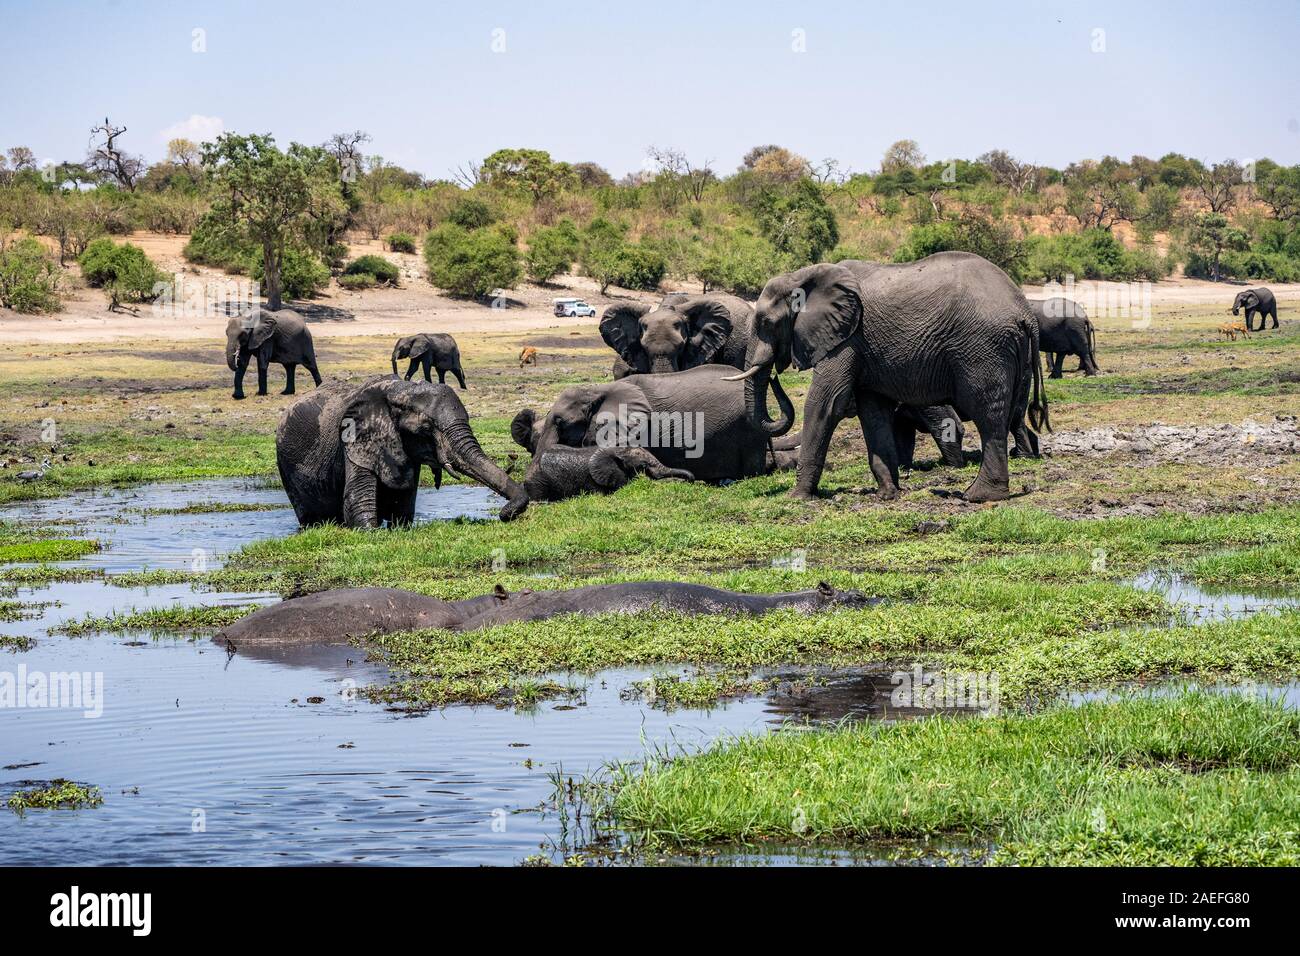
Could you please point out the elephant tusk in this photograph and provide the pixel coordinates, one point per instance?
(750, 373)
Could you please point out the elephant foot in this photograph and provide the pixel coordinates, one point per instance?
(1056, 375)
(982, 491)
(887, 492)
(513, 509)
(262, 393)
(287, 391)
(805, 494)
(238, 396)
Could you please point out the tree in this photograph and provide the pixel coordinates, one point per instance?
(798, 223)
(681, 174)
(528, 172)
(107, 160)
(592, 175)
(602, 246)
(1216, 184)
(471, 262)
(551, 251)
(1278, 187)
(780, 165)
(904, 154)
(271, 198)
(1100, 194)
(21, 158)
(1008, 171)
(1211, 234)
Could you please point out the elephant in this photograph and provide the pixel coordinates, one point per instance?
(944, 424)
(562, 471)
(693, 420)
(683, 331)
(430, 350)
(1256, 302)
(1065, 329)
(351, 452)
(949, 329)
(344, 614)
(272, 337)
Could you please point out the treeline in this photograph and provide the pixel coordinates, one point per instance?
(283, 215)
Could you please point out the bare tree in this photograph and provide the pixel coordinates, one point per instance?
(346, 149)
(467, 174)
(106, 159)
(1009, 171)
(1216, 184)
(690, 179)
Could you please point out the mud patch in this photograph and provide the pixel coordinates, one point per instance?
(1195, 444)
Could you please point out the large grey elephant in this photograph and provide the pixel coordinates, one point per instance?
(429, 350)
(1259, 302)
(562, 471)
(693, 420)
(1065, 329)
(351, 452)
(683, 331)
(950, 329)
(269, 337)
(338, 615)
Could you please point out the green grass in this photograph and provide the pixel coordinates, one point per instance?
(160, 619)
(1198, 779)
(58, 794)
(16, 642)
(56, 549)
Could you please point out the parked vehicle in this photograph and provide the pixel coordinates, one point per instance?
(573, 307)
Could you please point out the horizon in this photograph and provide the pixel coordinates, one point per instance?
(564, 80)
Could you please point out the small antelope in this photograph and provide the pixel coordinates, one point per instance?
(1229, 330)
(528, 356)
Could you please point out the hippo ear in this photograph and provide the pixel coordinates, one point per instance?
(521, 429)
(260, 328)
(830, 311)
(369, 432)
(710, 328)
(620, 327)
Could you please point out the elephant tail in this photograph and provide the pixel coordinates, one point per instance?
(1039, 416)
(1092, 345)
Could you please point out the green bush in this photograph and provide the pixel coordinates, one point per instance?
(995, 241)
(209, 247)
(1091, 254)
(740, 263)
(551, 251)
(377, 267)
(471, 262)
(471, 213)
(400, 242)
(640, 266)
(29, 278)
(357, 281)
(122, 270)
(302, 275)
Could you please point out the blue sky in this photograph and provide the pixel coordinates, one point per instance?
(603, 81)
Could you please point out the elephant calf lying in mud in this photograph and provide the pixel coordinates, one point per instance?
(335, 616)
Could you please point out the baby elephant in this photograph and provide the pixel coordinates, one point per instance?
(429, 350)
(268, 336)
(562, 471)
(1259, 302)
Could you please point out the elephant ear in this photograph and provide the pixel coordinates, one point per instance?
(419, 345)
(521, 429)
(261, 328)
(620, 327)
(831, 311)
(710, 329)
(370, 435)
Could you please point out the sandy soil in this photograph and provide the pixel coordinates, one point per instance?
(414, 307)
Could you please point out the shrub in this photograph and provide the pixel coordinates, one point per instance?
(551, 251)
(401, 242)
(377, 267)
(639, 266)
(1091, 254)
(302, 275)
(209, 247)
(471, 213)
(123, 271)
(28, 278)
(357, 281)
(471, 262)
(740, 263)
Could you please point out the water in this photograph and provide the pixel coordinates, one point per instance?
(205, 758)
(1201, 604)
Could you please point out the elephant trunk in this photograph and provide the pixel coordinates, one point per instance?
(232, 352)
(756, 382)
(468, 458)
(660, 365)
(394, 363)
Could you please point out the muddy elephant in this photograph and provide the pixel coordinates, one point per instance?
(682, 332)
(345, 613)
(430, 350)
(1259, 302)
(693, 420)
(268, 336)
(950, 329)
(351, 452)
(944, 424)
(1065, 329)
(562, 471)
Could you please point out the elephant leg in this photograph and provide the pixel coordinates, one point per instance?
(410, 372)
(639, 461)
(784, 460)
(993, 483)
(241, 366)
(904, 440)
(442, 376)
(289, 371)
(944, 425)
(460, 376)
(360, 497)
(1262, 319)
(427, 365)
(829, 399)
(397, 505)
(310, 365)
(876, 418)
(1058, 360)
(262, 363)
(1026, 441)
